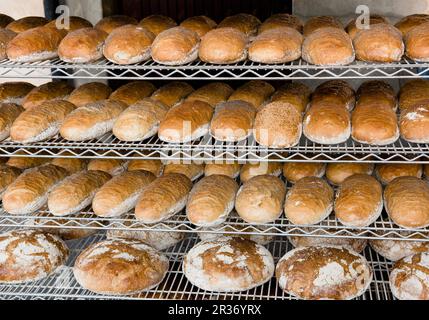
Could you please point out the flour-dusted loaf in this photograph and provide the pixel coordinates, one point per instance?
(5, 20)
(72, 165)
(280, 20)
(29, 192)
(199, 24)
(260, 199)
(172, 93)
(58, 90)
(157, 23)
(355, 25)
(408, 23)
(164, 197)
(354, 244)
(246, 23)
(30, 255)
(154, 166)
(212, 93)
(336, 173)
(228, 264)
(120, 266)
(359, 201)
(108, 24)
(386, 172)
(192, 170)
(255, 92)
(413, 92)
(250, 170)
(5, 37)
(295, 171)
(229, 169)
(416, 43)
(309, 201)
(395, 250)
(337, 92)
(8, 114)
(89, 93)
(73, 23)
(26, 23)
(409, 278)
(23, 161)
(111, 166)
(318, 273)
(414, 123)
(14, 92)
(315, 23)
(41, 123)
(7, 176)
(295, 93)
(133, 92)
(211, 200)
(92, 120)
(120, 194)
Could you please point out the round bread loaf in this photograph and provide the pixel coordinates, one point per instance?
(72, 165)
(260, 199)
(30, 255)
(5, 37)
(82, 46)
(352, 27)
(58, 90)
(172, 93)
(5, 20)
(108, 24)
(229, 169)
(9, 112)
(26, 23)
(355, 244)
(410, 22)
(192, 170)
(74, 23)
(309, 201)
(414, 123)
(7, 176)
(228, 264)
(212, 93)
(381, 43)
(395, 250)
(409, 278)
(280, 20)
(133, 92)
(89, 93)
(128, 44)
(406, 200)
(377, 92)
(66, 234)
(175, 46)
(246, 23)
(387, 172)
(335, 92)
(336, 173)
(278, 45)
(318, 22)
(113, 167)
(14, 92)
(120, 266)
(255, 92)
(295, 93)
(413, 92)
(157, 23)
(359, 201)
(223, 46)
(295, 171)
(199, 24)
(250, 170)
(154, 166)
(317, 273)
(23, 162)
(416, 43)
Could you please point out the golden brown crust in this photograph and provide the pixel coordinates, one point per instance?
(133, 92)
(352, 29)
(172, 93)
(315, 23)
(110, 166)
(334, 91)
(377, 92)
(295, 171)
(24, 163)
(154, 166)
(108, 24)
(387, 172)
(58, 90)
(5, 37)
(157, 23)
(72, 165)
(249, 170)
(295, 93)
(7, 176)
(14, 92)
(407, 23)
(413, 92)
(5, 20)
(26, 23)
(89, 93)
(191, 170)
(199, 24)
(280, 20)
(228, 169)
(246, 23)
(212, 93)
(416, 43)
(9, 112)
(336, 173)
(255, 92)
(414, 123)
(75, 23)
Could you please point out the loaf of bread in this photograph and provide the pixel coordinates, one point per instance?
(389, 171)
(212, 93)
(377, 92)
(26, 23)
(250, 170)
(7, 176)
(82, 46)
(154, 166)
(414, 123)
(23, 161)
(14, 92)
(295, 93)
(128, 44)
(410, 22)
(163, 198)
(8, 113)
(175, 46)
(229, 169)
(58, 90)
(113, 167)
(108, 24)
(73, 23)
(223, 46)
(336, 173)
(89, 93)
(321, 273)
(406, 200)
(172, 93)
(140, 121)
(120, 266)
(260, 199)
(279, 45)
(334, 91)
(199, 24)
(5, 20)
(280, 20)
(65, 234)
(381, 43)
(409, 278)
(36, 44)
(395, 250)
(228, 264)
(416, 43)
(413, 92)
(192, 170)
(157, 23)
(5, 37)
(29, 192)
(30, 255)
(295, 171)
(352, 27)
(72, 165)
(255, 92)
(354, 244)
(133, 92)
(41, 123)
(319, 22)
(310, 201)
(246, 23)
(328, 46)
(92, 120)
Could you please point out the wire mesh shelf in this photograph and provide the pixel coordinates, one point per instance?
(62, 285)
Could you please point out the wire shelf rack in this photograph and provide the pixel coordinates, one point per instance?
(198, 70)
(175, 286)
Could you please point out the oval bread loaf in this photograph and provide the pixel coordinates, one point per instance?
(58, 90)
(172, 93)
(255, 92)
(244, 22)
(7, 176)
(199, 24)
(192, 170)
(26, 23)
(110, 166)
(14, 92)
(108, 24)
(250, 170)
(9, 112)
(295, 171)
(231, 170)
(133, 92)
(387, 172)
(89, 93)
(212, 93)
(336, 173)
(157, 23)
(154, 166)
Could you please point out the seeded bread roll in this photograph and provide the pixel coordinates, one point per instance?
(408, 23)
(409, 278)
(163, 198)
(278, 125)
(172, 93)
(260, 199)
(41, 123)
(295, 171)
(36, 44)
(113, 167)
(317, 273)
(14, 92)
(154, 166)
(246, 23)
(318, 22)
(212, 93)
(228, 169)
(29, 192)
(228, 264)
(416, 43)
(255, 92)
(295, 93)
(82, 46)
(108, 24)
(353, 26)
(5, 20)
(191, 170)
(5, 37)
(92, 120)
(72, 165)
(381, 43)
(8, 113)
(25, 162)
(414, 123)
(377, 92)
(89, 93)
(119, 195)
(249, 170)
(278, 45)
(406, 200)
(334, 91)
(58, 90)
(157, 23)
(120, 266)
(389, 171)
(128, 44)
(280, 20)
(133, 92)
(223, 46)
(413, 92)
(336, 173)
(74, 23)
(26, 23)
(30, 255)
(199, 24)
(7, 176)
(357, 245)
(395, 250)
